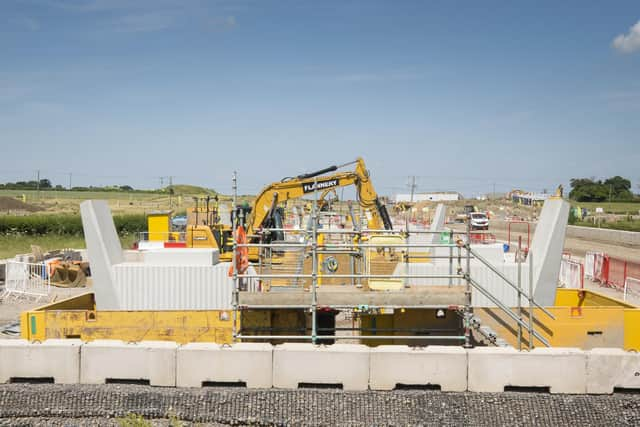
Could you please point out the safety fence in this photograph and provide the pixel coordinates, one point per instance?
(25, 279)
(571, 274)
(616, 273)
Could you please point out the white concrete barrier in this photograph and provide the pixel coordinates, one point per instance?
(153, 361)
(249, 363)
(491, 369)
(57, 359)
(345, 364)
(445, 366)
(610, 368)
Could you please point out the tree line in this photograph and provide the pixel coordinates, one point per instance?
(614, 189)
(45, 185)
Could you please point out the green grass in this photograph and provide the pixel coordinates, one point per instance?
(11, 245)
(631, 208)
(617, 225)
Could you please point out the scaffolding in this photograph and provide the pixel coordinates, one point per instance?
(313, 243)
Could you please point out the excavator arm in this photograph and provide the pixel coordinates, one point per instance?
(297, 187)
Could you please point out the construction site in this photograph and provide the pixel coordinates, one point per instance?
(304, 308)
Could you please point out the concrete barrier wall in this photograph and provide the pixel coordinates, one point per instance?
(344, 364)
(604, 235)
(355, 367)
(562, 370)
(57, 359)
(611, 368)
(575, 231)
(249, 363)
(444, 366)
(153, 361)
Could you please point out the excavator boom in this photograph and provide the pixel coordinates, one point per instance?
(301, 185)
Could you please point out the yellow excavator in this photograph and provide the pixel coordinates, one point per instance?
(265, 212)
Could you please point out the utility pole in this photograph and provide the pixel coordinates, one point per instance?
(161, 182)
(170, 192)
(70, 175)
(610, 191)
(38, 180)
(493, 195)
(412, 186)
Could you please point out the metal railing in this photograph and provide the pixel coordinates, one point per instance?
(24, 279)
(357, 246)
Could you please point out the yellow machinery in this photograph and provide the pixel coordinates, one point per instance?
(265, 214)
(584, 319)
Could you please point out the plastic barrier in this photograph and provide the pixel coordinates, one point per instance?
(600, 268)
(571, 274)
(248, 363)
(631, 287)
(590, 264)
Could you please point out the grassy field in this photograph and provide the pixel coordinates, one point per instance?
(120, 202)
(621, 208)
(618, 225)
(12, 245)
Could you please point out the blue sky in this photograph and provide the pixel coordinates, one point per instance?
(462, 94)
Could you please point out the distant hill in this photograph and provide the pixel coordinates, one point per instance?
(191, 189)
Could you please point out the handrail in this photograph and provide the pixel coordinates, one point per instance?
(509, 282)
(508, 311)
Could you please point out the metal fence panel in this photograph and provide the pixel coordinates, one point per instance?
(27, 279)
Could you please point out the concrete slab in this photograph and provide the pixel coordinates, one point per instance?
(611, 368)
(250, 363)
(152, 361)
(344, 364)
(445, 366)
(491, 369)
(57, 359)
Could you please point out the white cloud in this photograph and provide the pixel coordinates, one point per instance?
(628, 43)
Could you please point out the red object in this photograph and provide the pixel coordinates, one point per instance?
(242, 252)
(175, 244)
(528, 232)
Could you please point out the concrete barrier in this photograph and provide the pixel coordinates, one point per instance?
(249, 363)
(444, 366)
(562, 370)
(111, 360)
(55, 359)
(611, 368)
(344, 364)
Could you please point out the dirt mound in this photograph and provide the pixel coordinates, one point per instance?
(11, 204)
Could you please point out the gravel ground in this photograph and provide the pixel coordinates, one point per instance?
(58, 405)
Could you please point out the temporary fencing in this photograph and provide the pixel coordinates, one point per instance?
(631, 287)
(614, 272)
(27, 279)
(571, 274)
(590, 264)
